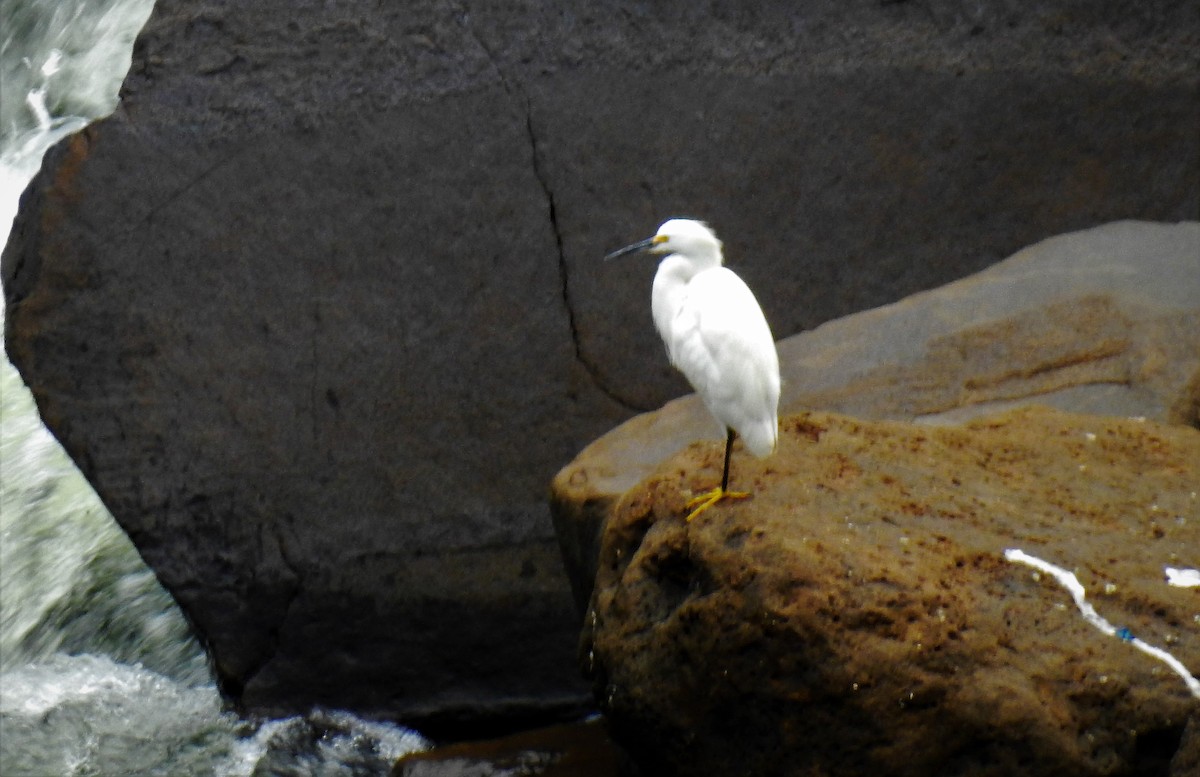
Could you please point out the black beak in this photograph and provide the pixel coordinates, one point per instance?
(639, 246)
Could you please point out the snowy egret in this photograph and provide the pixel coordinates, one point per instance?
(717, 336)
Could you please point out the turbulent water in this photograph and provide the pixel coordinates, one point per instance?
(99, 673)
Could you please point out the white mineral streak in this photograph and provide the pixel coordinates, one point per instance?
(1072, 584)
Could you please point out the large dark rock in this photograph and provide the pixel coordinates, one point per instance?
(319, 310)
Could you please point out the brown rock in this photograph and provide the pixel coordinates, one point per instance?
(1102, 321)
(858, 615)
(581, 749)
(1187, 760)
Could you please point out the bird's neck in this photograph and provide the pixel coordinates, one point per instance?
(686, 268)
(671, 281)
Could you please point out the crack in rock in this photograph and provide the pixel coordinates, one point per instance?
(564, 273)
(292, 592)
(170, 199)
(517, 92)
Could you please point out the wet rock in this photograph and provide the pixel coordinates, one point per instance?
(1101, 321)
(581, 749)
(1187, 761)
(324, 742)
(319, 310)
(858, 614)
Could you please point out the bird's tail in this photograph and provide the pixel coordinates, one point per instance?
(760, 438)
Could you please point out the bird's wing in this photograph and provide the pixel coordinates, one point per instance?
(723, 345)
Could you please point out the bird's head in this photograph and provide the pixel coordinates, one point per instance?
(686, 237)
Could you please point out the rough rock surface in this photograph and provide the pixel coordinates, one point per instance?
(1104, 321)
(319, 311)
(571, 750)
(858, 616)
(1187, 760)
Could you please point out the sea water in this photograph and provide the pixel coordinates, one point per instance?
(99, 672)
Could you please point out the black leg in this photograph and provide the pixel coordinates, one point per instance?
(728, 453)
(707, 500)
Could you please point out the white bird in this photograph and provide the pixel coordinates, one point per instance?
(717, 336)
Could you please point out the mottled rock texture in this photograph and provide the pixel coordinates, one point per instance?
(858, 615)
(319, 310)
(1103, 321)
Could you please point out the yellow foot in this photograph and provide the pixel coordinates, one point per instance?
(710, 498)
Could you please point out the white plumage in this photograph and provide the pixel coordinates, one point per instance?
(717, 336)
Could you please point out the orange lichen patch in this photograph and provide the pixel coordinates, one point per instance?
(66, 177)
